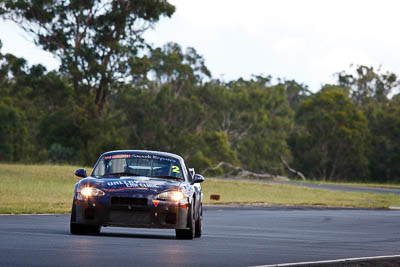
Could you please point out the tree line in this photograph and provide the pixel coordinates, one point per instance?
(115, 91)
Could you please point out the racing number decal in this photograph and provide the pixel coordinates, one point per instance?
(175, 169)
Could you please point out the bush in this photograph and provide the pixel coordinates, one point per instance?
(61, 154)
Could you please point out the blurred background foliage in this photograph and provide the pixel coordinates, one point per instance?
(115, 91)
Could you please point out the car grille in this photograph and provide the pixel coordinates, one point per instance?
(118, 201)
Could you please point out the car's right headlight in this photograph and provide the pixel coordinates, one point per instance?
(92, 192)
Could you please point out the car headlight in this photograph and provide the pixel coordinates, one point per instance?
(171, 195)
(92, 192)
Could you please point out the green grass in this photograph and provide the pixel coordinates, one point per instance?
(279, 194)
(36, 188)
(359, 184)
(26, 189)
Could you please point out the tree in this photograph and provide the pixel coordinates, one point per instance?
(295, 92)
(332, 143)
(28, 93)
(166, 108)
(256, 118)
(269, 120)
(95, 40)
(181, 70)
(369, 85)
(12, 131)
(384, 125)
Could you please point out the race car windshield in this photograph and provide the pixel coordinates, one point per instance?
(118, 165)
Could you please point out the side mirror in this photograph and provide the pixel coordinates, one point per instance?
(197, 179)
(81, 173)
(192, 173)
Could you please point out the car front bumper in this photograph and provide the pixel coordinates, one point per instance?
(130, 211)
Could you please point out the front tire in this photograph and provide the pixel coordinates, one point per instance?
(81, 229)
(78, 229)
(188, 233)
(199, 220)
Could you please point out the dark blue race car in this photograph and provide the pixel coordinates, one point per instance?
(138, 188)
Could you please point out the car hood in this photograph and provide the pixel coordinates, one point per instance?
(140, 184)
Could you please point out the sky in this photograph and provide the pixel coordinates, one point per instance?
(308, 40)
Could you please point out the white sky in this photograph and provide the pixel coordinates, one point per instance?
(307, 40)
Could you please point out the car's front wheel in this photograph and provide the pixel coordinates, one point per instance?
(199, 220)
(188, 233)
(81, 229)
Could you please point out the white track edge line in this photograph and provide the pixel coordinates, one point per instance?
(329, 261)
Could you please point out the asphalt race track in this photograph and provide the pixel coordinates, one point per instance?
(232, 236)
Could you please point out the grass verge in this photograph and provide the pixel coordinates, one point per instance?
(36, 188)
(30, 189)
(368, 185)
(279, 194)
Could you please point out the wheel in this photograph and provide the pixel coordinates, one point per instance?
(78, 229)
(93, 229)
(199, 220)
(188, 233)
(81, 229)
(75, 229)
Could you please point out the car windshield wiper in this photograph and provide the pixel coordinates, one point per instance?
(121, 174)
(167, 177)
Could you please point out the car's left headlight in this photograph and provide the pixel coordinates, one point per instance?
(171, 196)
(92, 192)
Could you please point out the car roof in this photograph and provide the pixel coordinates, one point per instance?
(157, 153)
